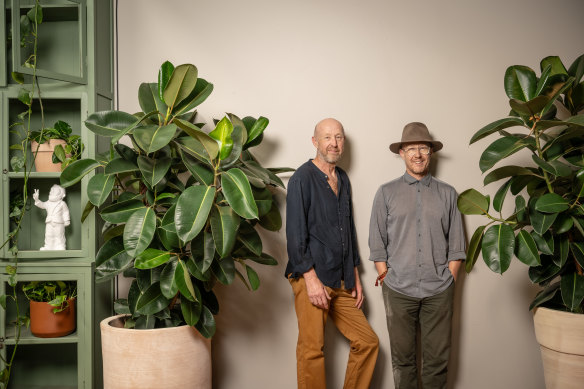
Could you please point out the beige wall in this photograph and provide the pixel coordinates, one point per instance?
(374, 65)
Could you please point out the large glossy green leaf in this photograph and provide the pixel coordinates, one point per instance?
(168, 286)
(121, 212)
(257, 128)
(167, 231)
(203, 250)
(578, 251)
(147, 277)
(120, 165)
(263, 199)
(472, 202)
(195, 265)
(151, 258)
(520, 83)
(153, 169)
(545, 295)
(224, 225)
(501, 148)
(250, 238)
(496, 126)
(151, 301)
(540, 221)
(164, 75)
(192, 210)
(546, 272)
(264, 259)
(554, 167)
(562, 251)
(191, 311)
(543, 79)
(253, 278)
(224, 270)
(76, 171)
(200, 173)
(139, 231)
(499, 198)
(272, 221)
(526, 249)
(195, 148)
(576, 70)
(544, 243)
(202, 90)
(551, 203)
(506, 171)
(264, 174)
(498, 246)
(192, 130)
(222, 134)
(530, 108)
(181, 84)
(238, 194)
(206, 324)
(110, 123)
(572, 287)
(474, 248)
(150, 101)
(99, 188)
(579, 183)
(556, 64)
(567, 85)
(239, 137)
(152, 138)
(111, 259)
(183, 281)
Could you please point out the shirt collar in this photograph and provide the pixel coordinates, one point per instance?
(411, 180)
(318, 171)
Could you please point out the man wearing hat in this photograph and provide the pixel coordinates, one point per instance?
(417, 242)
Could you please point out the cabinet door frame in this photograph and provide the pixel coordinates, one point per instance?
(2, 43)
(17, 61)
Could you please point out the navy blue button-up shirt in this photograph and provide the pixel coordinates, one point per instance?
(319, 227)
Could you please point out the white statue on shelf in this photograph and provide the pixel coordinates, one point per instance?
(57, 217)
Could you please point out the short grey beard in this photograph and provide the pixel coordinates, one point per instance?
(327, 159)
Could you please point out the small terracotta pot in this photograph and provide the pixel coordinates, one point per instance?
(46, 324)
(43, 161)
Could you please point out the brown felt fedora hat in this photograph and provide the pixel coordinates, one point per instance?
(415, 132)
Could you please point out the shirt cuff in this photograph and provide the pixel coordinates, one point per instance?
(378, 256)
(456, 256)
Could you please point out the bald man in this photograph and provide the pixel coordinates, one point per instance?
(322, 263)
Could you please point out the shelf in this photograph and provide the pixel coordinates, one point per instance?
(26, 337)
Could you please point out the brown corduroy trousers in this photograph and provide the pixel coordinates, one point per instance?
(350, 321)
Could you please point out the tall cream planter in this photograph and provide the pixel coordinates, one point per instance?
(561, 338)
(170, 358)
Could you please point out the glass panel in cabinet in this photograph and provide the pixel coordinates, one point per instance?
(61, 43)
(40, 223)
(3, 42)
(67, 110)
(44, 366)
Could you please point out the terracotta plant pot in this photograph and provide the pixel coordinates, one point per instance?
(170, 358)
(46, 324)
(43, 161)
(561, 339)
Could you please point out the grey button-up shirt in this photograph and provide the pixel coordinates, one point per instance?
(417, 229)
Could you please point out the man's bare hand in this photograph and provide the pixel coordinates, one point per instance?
(317, 293)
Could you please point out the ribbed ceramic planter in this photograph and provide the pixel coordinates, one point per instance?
(561, 339)
(46, 324)
(43, 161)
(170, 358)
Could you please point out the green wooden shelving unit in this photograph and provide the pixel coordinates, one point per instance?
(75, 70)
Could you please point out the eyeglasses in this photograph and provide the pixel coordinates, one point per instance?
(424, 150)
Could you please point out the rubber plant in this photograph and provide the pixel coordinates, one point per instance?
(544, 227)
(185, 203)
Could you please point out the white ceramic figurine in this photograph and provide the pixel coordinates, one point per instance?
(57, 217)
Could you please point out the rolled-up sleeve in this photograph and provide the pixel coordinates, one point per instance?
(297, 228)
(456, 239)
(378, 239)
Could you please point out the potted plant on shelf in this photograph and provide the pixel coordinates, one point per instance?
(545, 229)
(53, 148)
(52, 307)
(183, 217)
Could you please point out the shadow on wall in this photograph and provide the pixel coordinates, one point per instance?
(256, 313)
